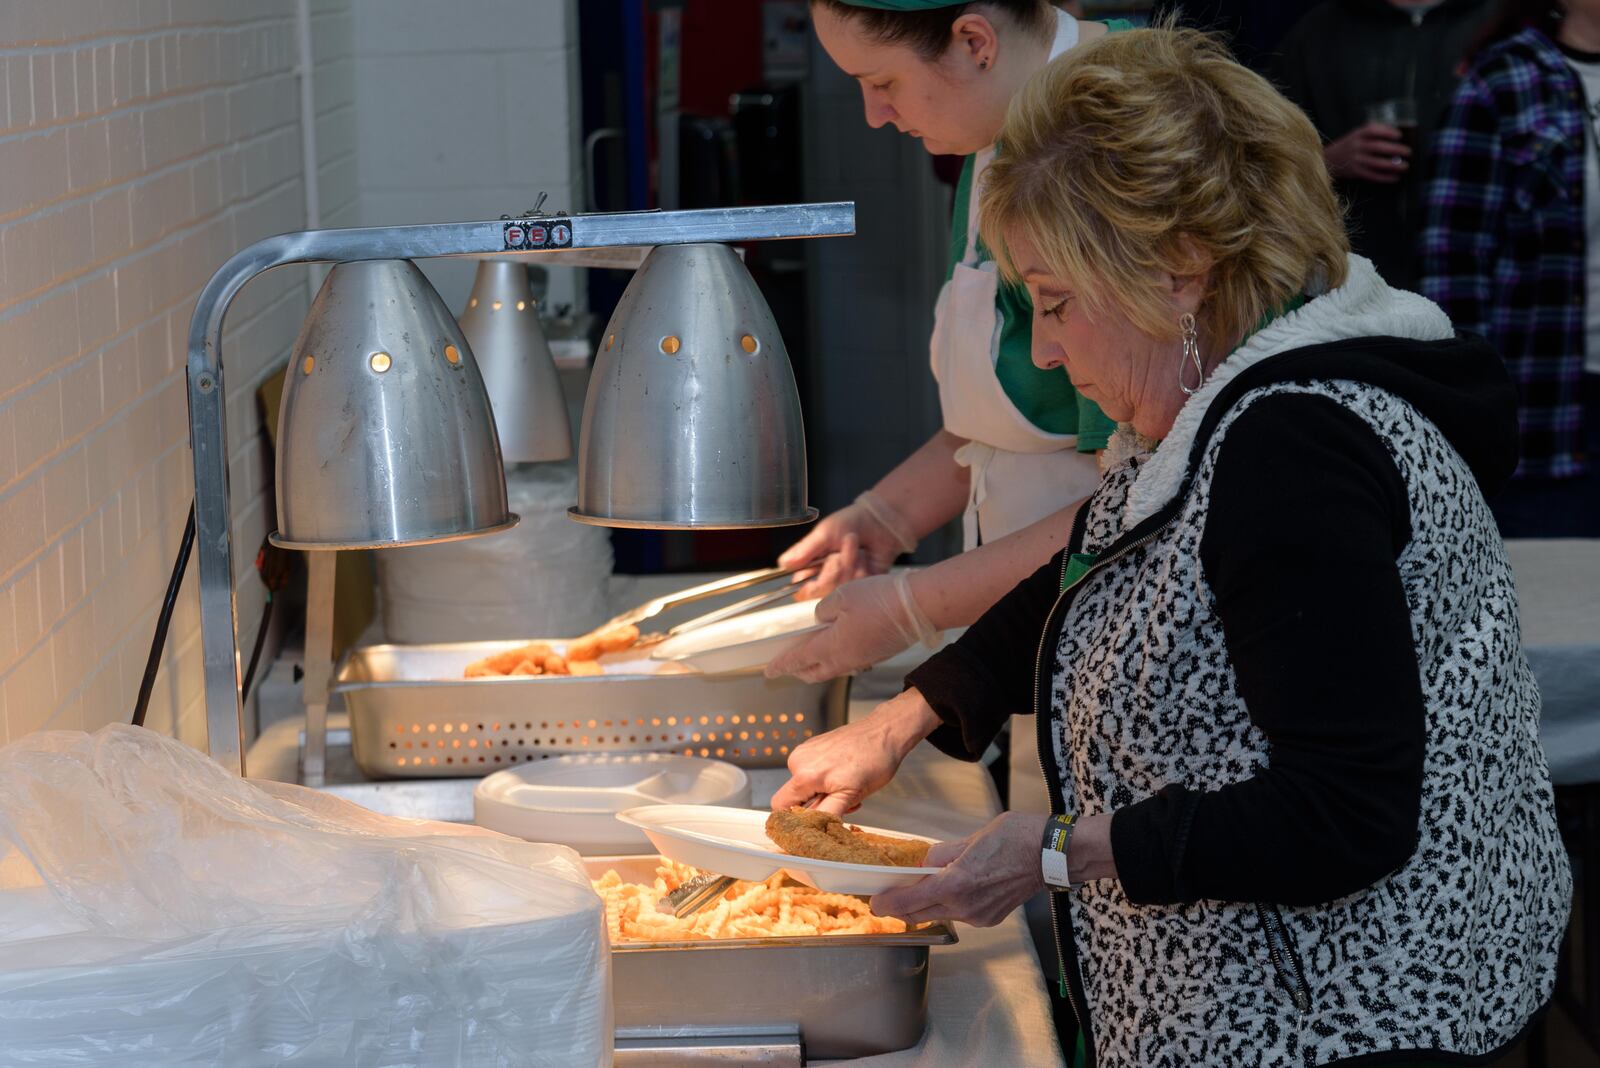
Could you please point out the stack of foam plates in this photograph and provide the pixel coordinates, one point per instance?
(574, 800)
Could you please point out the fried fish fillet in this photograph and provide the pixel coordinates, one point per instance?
(803, 832)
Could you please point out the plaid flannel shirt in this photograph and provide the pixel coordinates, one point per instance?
(1503, 248)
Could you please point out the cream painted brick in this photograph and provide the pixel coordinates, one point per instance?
(104, 701)
(68, 715)
(151, 347)
(108, 609)
(133, 295)
(26, 108)
(120, 373)
(143, 423)
(66, 492)
(21, 523)
(408, 27)
(27, 255)
(109, 227)
(429, 132)
(170, 414)
(88, 156)
(97, 310)
(538, 128)
(13, 193)
(47, 164)
(124, 147)
(128, 519)
(73, 585)
(121, 72)
(30, 690)
(37, 428)
(8, 629)
(48, 568)
(138, 70)
(8, 449)
(104, 95)
(23, 340)
(25, 607)
(81, 405)
(65, 86)
(83, 67)
(205, 197)
(71, 249)
(74, 655)
(94, 566)
(19, 92)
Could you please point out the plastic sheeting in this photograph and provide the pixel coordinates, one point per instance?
(156, 910)
(545, 577)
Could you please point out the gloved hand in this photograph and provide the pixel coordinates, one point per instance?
(870, 619)
(858, 540)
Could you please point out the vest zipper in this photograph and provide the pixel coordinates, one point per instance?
(1285, 960)
(1042, 725)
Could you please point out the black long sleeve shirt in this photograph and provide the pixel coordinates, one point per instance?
(1306, 519)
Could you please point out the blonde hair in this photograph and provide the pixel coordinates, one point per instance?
(1152, 152)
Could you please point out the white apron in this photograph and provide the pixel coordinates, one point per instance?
(1018, 473)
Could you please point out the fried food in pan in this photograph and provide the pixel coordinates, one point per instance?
(595, 644)
(535, 658)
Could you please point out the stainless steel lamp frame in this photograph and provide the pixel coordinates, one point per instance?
(563, 238)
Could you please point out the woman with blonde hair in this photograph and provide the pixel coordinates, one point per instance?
(1300, 812)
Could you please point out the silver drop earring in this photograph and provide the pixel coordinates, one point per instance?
(1191, 354)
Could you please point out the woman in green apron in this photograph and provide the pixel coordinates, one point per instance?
(1016, 453)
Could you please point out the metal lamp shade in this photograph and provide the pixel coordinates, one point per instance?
(385, 435)
(692, 418)
(501, 324)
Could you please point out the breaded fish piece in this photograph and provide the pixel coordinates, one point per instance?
(803, 832)
(902, 852)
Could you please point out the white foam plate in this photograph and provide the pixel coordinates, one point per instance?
(574, 799)
(733, 841)
(742, 643)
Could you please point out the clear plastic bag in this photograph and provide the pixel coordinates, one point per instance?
(156, 910)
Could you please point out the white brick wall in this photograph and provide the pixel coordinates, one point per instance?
(467, 113)
(142, 142)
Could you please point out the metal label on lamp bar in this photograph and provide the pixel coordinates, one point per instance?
(536, 234)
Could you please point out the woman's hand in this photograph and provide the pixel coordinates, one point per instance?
(849, 763)
(870, 620)
(858, 540)
(986, 875)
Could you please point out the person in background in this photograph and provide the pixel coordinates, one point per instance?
(1375, 75)
(1511, 246)
(1252, 28)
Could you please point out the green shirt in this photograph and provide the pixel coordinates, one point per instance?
(1045, 398)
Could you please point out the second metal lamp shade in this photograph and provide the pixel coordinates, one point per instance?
(501, 323)
(692, 419)
(385, 434)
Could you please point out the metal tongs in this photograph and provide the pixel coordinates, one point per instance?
(732, 584)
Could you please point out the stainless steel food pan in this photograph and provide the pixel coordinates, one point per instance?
(849, 995)
(412, 714)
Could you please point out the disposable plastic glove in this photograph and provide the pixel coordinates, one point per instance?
(869, 620)
(858, 540)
